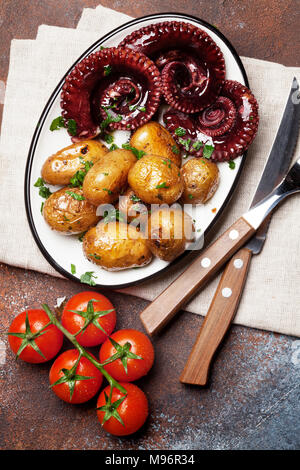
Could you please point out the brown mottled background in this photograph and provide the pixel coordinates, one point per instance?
(252, 401)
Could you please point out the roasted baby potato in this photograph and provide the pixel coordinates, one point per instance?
(131, 205)
(154, 139)
(108, 177)
(115, 246)
(60, 167)
(201, 179)
(168, 231)
(64, 213)
(156, 180)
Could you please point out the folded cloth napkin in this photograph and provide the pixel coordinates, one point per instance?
(271, 298)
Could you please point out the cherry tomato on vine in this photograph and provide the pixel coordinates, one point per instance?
(92, 314)
(121, 414)
(74, 379)
(133, 352)
(31, 339)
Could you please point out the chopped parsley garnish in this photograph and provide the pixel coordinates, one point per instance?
(162, 185)
(39, 182)
(57, 123)
(168, 162)
(73, 269)
(102, 47)
(113, 147)
(110, 118)
(94, 256)
(197, 145)
(44, 191)
(231, 164)
(87, 164)
(208, 150)
(76, 196)
(134, 107)
(134, 198)
(88, 278)
(251, 118)
(175, 149)
(109, 138)
(185, 143)
(180, 131)
(77, 179)
(110, 106)
(108, 190)
(112, 216)
(80, 237)
(107, 70)
(191, 196)
(138, 153)
(72, 126)
(42, 207)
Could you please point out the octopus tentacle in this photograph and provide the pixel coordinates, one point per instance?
(218, 118)
(118, 87)
(191, 64)
(229, 125)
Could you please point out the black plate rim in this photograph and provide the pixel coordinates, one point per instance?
(36, 135)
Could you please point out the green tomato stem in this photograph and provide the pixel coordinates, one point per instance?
(112, 382)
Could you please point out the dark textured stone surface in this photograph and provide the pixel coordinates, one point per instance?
(252, 401)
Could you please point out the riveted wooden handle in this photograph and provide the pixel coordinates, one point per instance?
(170, 301)
(218, 319)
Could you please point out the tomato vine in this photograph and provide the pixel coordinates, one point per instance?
(112, 382)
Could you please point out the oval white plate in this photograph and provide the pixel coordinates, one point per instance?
(60, 250)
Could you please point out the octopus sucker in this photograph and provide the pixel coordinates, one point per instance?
(192, 65)
(113, 88)
(229, 124)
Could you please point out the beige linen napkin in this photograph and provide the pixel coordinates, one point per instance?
(271, 297)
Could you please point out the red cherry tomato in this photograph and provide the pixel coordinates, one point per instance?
(133, 410)
(78, 389)
(40, 345)
(139, 345)
(73, 322)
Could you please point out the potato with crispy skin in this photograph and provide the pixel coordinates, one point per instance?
(115, 246)
(108, 177)
(60, 167)
(169, 229)
(156, 180)
(68, 212)
(201, 179)
(132, 206)
(155, 139)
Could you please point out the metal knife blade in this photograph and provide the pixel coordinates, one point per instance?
(277, 163)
